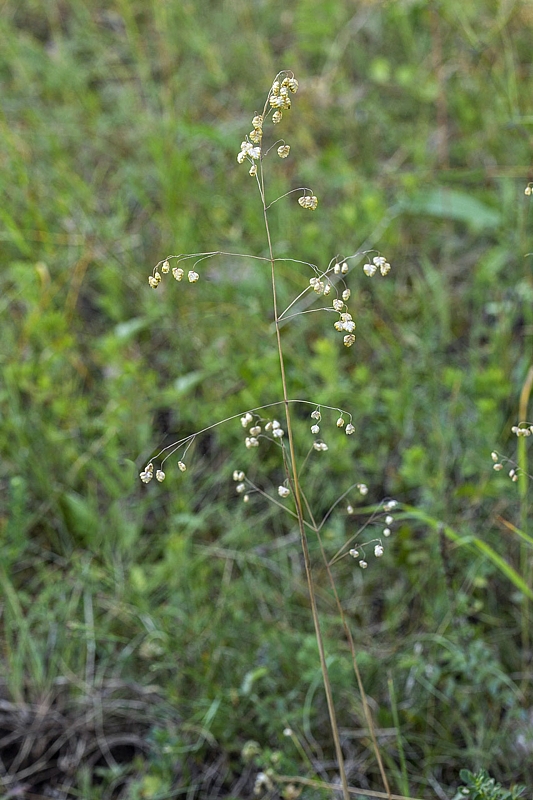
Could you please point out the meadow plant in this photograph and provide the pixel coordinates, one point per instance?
(271, 425)
(480, 786)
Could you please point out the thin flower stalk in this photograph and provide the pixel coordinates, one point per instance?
(326, 281)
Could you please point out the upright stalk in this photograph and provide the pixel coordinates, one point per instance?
(293, 479)
(351, 644)
(525, 549)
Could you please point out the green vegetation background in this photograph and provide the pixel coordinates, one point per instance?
(149, 632)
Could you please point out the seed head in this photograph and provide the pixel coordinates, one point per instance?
(378, 551)
(363, 488)
(238, 475)
(363, 564)
(148, 473)
(165, 267)
(153, 282)
(283, 491)
(277, 117)
(308, 202)
(177, 273)
(181, 466)
(160, 475)
(272, 425)
(315, 429)
(381, 263)
(340, 423)
(354, 553)
(284, 150)
(193, 276)
(349, 429)
(349, 339)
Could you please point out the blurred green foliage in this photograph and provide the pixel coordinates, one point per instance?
(119, 126)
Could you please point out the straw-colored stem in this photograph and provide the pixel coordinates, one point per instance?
(293, 480)
(351, 644)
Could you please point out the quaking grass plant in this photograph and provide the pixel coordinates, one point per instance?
(262, 430)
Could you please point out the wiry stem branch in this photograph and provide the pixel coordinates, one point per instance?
(293, 479)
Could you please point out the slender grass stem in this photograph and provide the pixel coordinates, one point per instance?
(293, 480)
(351, 644)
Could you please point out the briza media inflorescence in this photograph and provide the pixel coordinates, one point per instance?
(270, 425)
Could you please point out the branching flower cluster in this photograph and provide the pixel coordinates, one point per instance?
(330, 281)
(278, 100)
(323, 283)
(382, 516)
(259, 428)
(177, 272)
(500, 462)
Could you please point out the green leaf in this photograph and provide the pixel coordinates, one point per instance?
(455, 205)
(474, 542)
